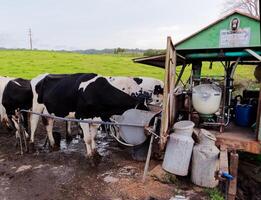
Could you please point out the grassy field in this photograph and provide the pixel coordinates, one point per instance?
(28, 64)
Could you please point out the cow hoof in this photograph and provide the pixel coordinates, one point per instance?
(55, 147)
(96, 154)
(31, 148)
(57, 138)
(68, 139)
(94, 159)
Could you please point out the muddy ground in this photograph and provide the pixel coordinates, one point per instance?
(67, 174)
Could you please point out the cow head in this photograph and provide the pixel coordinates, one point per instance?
(125, 84)
(157, 96)
(146, 90)
(153, 88)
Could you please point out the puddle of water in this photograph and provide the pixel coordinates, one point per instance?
(103, 144)
(77, 145)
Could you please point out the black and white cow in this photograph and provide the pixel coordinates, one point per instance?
(153, 87)
(84, 96)
(3, 116)
(16, 93)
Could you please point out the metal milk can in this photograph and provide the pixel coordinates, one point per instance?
(205, 160)
(179, 149)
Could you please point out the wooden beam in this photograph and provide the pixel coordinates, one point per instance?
(258, 118)
(168, 95)
(223, 160)
(250, 146)
(164, 119)
(232, 190)
(172, 86)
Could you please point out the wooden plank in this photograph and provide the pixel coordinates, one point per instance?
(259, 129)
(172, 86)
(223, 160)
(232, 190)
(168, 96)
(258, 118)
(250, 146)
(164, 119)
(238, 138)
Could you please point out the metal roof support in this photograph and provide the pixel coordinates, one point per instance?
(180, 75)
(253, 54)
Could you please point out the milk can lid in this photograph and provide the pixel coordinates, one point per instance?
(207, 134)
(185, 124)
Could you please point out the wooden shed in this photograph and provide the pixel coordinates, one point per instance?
(232, 40)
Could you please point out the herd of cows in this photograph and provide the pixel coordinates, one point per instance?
(81, 96)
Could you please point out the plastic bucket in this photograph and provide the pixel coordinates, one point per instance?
(243, 114)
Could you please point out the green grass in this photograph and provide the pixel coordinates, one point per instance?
(28, 64)
(214, 194)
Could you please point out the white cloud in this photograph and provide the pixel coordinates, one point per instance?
(83, 24)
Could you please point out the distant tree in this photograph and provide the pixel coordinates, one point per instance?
(119, 50)
(250, 7)
(153, 52)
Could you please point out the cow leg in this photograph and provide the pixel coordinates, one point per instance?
(94, 130)
(87, 138)
(68, 135)
(18, 135)
(25, 123)
(49, 129)
(14, 120)
(34, 121)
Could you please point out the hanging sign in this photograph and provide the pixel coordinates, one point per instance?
(236, 36)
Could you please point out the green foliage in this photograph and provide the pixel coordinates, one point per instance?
(214, 194)
(28, 64)
(119, 50)
(153, 52)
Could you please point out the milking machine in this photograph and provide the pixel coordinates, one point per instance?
(211, 96)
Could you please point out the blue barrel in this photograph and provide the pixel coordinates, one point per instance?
(244, 114)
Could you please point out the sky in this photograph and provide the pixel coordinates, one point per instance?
(99, 24)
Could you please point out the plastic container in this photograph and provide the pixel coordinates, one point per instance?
(205, 160)
(134, 134)
(179, 149)
(206, 98)
(243, 114)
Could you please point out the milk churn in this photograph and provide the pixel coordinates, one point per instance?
(179, 149)
(205, 160)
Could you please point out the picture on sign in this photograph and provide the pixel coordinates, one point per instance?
(235, 36)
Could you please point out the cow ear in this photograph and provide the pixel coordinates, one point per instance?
(158, 90)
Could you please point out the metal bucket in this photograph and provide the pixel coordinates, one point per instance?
(135, 120)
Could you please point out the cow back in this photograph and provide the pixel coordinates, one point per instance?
(59, 93)
(17, 95)
(102, 99)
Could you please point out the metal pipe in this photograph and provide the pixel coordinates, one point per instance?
(81, 121)
(146, 168)
(218, 55)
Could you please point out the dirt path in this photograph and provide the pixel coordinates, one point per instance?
(67, 174)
